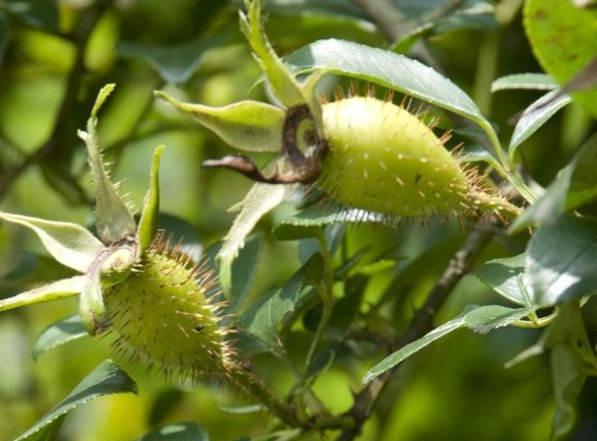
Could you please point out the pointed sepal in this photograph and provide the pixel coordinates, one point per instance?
(52, 291)
(246, 125)
(151, 206)
(114, 219)
(70, 244)
(91, 305)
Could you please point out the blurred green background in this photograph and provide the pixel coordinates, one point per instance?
(454, 390)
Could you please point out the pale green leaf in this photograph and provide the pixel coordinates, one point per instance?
(52, 291)
(114, 219)
(59, 333)
(151, 206)
(261, 199)
(106, 379)
(487, 318)
(177, 432)
(535, 116)
(508, 278)
(246, 125)
(525, 81)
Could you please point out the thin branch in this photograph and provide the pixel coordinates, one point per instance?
(422, 322)
(80, 37)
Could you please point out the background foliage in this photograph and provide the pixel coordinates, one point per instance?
(55, 56)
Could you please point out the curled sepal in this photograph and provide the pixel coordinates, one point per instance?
(70, 244)
(114, 219)
(91, 305)
(151, 206)
(281, 80)
(52, 291)
(246, 125)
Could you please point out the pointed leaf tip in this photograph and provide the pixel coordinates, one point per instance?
(151, 207)
(102, 96)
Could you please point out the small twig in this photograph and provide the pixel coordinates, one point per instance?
(422, 321)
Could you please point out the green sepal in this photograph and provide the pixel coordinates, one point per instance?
(246, 125)
(52, 291)
(151, 207)
(281, 80)
(91, 305)
(70, 244)
(114, 219)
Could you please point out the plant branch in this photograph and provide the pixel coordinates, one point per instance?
(80, 36)
(422, 322)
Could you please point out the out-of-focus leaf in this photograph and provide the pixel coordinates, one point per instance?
(563, 39)
(175, 64)
(37, 13)
(70, 244)
(320, 363)
(574, 186)
(535, 116)
(59, 333)
(244, 268)
(114, 219)
(308, 222)
(387, 69)
(261, 199)
(245, 410)
(560, 260)
(181, 231)
(246, 125)
(151, 206)
(4, 37)
(177, 432)
(164, 404)
(507, 277)
(52, 291)
(480, 319)
(527, 81)
(106, 379)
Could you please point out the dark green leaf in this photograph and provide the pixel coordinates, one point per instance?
(177, 432)
(320, 363)
(41, 14)
(165, 402)
(561, 260)
(507, 278)
(59, 333)
(243, 271)
(106, 379)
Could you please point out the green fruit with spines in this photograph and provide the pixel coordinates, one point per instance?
(164, 317)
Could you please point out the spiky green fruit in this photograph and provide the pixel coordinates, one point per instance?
(164, 317)
(382, 158)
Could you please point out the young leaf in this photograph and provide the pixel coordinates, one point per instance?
(561, 260)
(261, 199)
(247, 125)
(52, 291)
(151, 206)
(535, 116)
(508, 278)
(526, 81)
(282, 82)
(114, 219)
(488, 318)
(70, 244)
(176, 432)
(106, 379)
(59, 333)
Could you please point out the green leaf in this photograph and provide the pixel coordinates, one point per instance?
(282, 82)
(402, 354)
(535, 116)
(175, 64)
(59, 333)
(151, 206)
(574, 186)
(246, 125)
(526, 81)
(480, 319)
(52, 291)
(261, 199)
(244, 269)
(177, 432)
(36, 13)
(562, 37)
(92, 308)
(387, 69)
(70, 244)
(114, 219)
(561, 260)
(508, 278)
(106, 379)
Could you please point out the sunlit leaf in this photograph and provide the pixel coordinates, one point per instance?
(508, 278)
(106, 379)
(70, 244)
(59, 333)
(177, 432)
(52, 291)
(526, 81)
